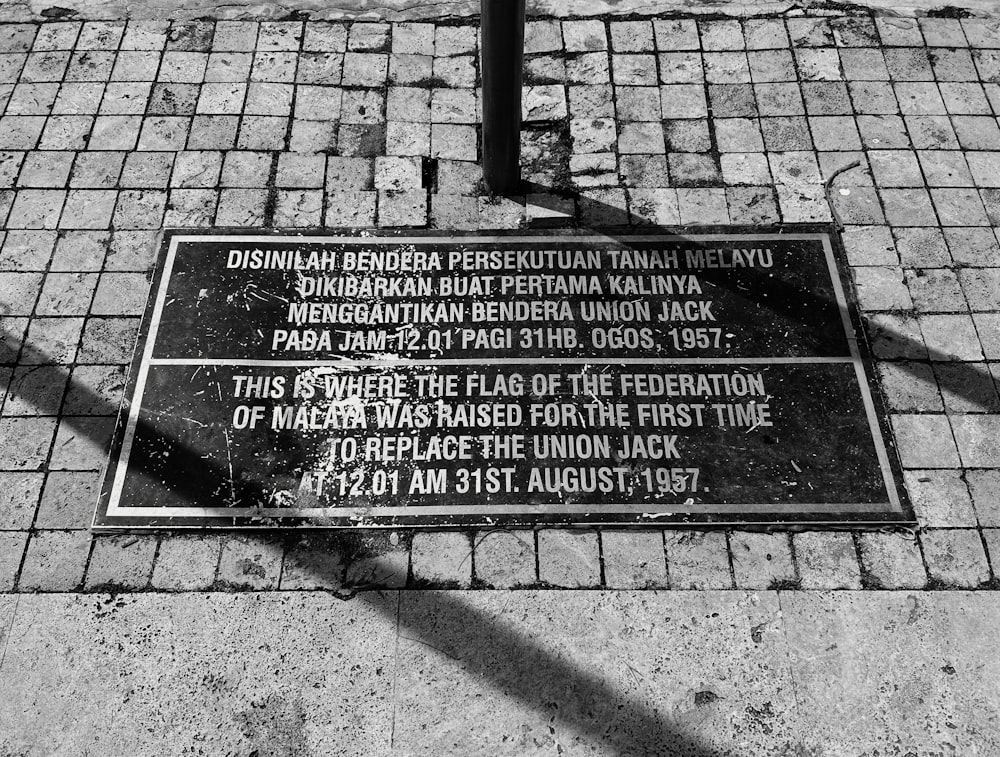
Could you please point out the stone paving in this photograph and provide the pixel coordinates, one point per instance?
(111, 131)
(518, 674)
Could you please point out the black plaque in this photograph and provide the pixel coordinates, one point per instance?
(426, 380)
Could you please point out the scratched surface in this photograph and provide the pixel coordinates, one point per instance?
(332, 381)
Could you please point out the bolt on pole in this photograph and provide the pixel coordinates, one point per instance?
(502, 62)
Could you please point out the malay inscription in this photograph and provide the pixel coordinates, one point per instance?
(424, 380)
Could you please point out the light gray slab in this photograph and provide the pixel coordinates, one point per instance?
(596, 673)
(891, 673)
(212, 674)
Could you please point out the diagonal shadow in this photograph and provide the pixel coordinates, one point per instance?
(512, 662)
(963, 380)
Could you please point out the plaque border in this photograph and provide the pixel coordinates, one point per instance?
(111, 518)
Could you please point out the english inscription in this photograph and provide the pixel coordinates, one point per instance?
(421, 380)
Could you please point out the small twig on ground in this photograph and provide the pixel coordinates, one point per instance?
(828, 191)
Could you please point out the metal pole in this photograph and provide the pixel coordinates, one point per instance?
(503, 57)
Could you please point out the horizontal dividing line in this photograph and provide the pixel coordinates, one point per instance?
(503, 361)
(503, 240)
(364, 513)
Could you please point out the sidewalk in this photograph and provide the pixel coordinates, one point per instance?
(112, 131)
(502, 673)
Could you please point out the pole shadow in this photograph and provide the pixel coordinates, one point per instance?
(513, 664)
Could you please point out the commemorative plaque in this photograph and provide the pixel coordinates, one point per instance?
(422, 380)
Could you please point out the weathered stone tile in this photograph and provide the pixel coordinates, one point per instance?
(11, 552)
(314, 561)
(579, 36)
(186, 563)
(82, 443)
(654, 206)
(378, 561)
(955, 557)
(241, 207)
(302, 208)
(442, 558)
(967, 387)
(542, 37)
(924, 441)
(34, 390)
(350, 208)
(505, 559)
(826, 560)
(108, 340)
(762, 561)
(910, 386)
(95, 390)
(698, 560)
(978, 439)
(55, 561)
(19, 495)
(633, 559)
(569, 558)
(250, 562)
(891, 561)
(984, 487)
(603, 207)
(951, 337)
(36, 437)
(453, 211)
(454, 40)
(325, 37)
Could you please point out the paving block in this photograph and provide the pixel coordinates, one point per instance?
(314, 561)
(186, 563)
(505, 559)
(442, 558)
(827, 560)
(82, 443)
(378, 560)
(250, 562)
(940, 498)
(11, 551)
(68, 500)
(634, 559)
(955, 557)
(891, 561)
(924, 441)
(978, 439)
(569, 558)
(698, 560)
(55, 561)
(984, 486)
(19, 494)
(762, 561)
(34, 436)
(122, 562)
(449, 211)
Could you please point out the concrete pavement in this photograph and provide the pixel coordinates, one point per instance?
(817, 674)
